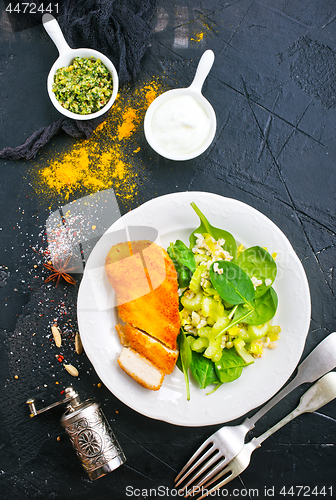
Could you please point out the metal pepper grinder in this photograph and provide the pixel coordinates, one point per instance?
(90, 433)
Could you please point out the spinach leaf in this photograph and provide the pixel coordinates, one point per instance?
(185, 359)
(183, 276)
(230, 374)
(203, 370)
(230, 366)
(183, 255)
(184, 262)
(233, 285)
(205, 227)
(263, 309)
(217, 386)
(257, 262)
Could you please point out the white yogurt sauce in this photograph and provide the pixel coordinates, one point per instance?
(180, 125)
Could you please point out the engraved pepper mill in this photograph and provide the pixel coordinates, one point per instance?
(90, 433)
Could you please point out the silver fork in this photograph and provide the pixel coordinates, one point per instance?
(220, 448)
(321, 393)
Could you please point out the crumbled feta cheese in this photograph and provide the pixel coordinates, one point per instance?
(189, 294)
(198, 250)
(268, 282)
(227, 255)
(217, 269)
(202, 323)
(267, 342)
(256, 282)
(195, 318)
(205, 283)
(190, 329)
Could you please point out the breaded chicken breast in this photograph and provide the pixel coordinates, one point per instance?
(145, 282)
(159, 354)
(140, 369)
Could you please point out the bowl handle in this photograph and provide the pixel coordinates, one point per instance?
(202, 71)
(54, 31)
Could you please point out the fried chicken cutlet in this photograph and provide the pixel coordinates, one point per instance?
(140, 369)
(159, 354)
(145, 282)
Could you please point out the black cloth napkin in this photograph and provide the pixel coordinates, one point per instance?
(118, 28)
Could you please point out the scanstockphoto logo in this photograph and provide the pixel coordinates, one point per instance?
(166, 492)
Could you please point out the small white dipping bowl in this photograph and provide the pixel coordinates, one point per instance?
(66, 56)
(194, 90)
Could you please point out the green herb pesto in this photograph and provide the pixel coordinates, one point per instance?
(84, 87)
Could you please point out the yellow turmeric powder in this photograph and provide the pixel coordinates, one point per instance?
(104, 161)
(128, 125)
(198, 37)
(201, 27)
(151, 94)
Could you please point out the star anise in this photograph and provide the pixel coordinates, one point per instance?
(59, 271)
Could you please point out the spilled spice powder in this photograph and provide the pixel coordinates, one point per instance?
(198, 37)
(128, 125)
(105, 160)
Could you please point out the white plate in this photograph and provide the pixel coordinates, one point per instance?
(174, 218)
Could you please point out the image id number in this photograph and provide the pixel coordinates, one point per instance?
(31, 8)
(306, 491)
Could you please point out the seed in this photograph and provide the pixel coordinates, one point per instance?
(57, 335)
(72, 370)
(78, 344)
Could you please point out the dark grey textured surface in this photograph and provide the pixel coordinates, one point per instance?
(273, 89)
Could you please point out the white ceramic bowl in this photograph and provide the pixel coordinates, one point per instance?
(66, 56)
(194, 90)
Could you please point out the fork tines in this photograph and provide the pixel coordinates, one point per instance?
(204, 490)
(184, 473)
(207, 487)
(204, 466)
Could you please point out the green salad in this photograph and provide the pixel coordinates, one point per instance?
(84, 87)
(226, 304)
